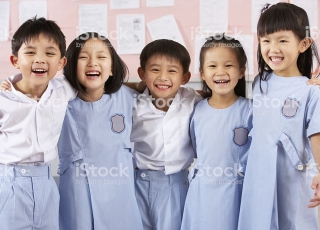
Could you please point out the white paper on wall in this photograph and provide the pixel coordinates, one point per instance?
(165, 28)
(157, 3)
(93, 18)
(30, 9)
(213, 16)
(4, 20)
(124, 4)
(131, 33)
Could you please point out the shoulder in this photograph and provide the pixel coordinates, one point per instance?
(60, 83)
(191, 94)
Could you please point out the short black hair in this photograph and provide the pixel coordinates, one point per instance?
(119, 68)
(32, 28)
(167, 48)
(287, 17)
(220, 40)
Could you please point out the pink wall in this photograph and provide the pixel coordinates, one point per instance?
(186, 13)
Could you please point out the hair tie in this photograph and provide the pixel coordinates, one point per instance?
(266, 7)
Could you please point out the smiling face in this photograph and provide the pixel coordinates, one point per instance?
(38, 60)
(163, 76)
(94, 66)
(280, 51)
(221, 71)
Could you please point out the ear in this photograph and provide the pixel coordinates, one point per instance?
(14, 61)
(305, 44)
(201, 74)
(242, 72)
(141, 74)
(186, 78)
(62, 63)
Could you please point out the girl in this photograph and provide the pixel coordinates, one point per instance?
(219, 132)
(286, 139)
(96, 173)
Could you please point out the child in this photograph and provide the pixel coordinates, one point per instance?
(96, 172)
(162, 146)
(286, 139)
(31, 117)
(219, 132)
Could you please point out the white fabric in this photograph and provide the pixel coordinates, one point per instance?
(29, 130)
(161, 139)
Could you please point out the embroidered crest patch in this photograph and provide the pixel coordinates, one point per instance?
(290, 107)
(117, 123)
(240, 136)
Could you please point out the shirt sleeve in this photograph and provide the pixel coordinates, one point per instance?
(313, 113)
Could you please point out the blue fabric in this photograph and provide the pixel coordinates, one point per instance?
(161, 198)
(97, 180)
(277, 186)
(221, 142)
(29, 198)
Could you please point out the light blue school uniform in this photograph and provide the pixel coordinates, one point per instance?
(96, 171)
(280, 168)
(220, 139)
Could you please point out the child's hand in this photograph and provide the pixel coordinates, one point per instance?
(315, 201)
(314, 81)
(5, 85)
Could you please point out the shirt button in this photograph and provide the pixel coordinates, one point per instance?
(23, 171)
(143, 175)
(300, 167)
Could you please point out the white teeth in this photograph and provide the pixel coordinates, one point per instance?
(39, 70)
(163, 86)
(222, 81)
(93, 73)
(276, 59)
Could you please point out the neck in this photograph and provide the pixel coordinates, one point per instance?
(34, 93)
(222, 101)
(91, 96)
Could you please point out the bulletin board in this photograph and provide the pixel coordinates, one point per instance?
(185, 12)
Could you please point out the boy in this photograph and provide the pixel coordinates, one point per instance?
(160, 132)
(31, 117)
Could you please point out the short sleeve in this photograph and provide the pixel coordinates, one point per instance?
(193, 135)
(313, 113)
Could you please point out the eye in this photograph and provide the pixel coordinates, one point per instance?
(102, 57)
(229, 65)
(30, 52)
(155, 70)
(82, 57)
(283, 41)
(212, 66)
(50, 54)
(172, 71)
(265, 40)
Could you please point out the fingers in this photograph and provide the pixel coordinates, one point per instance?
(5, 85)
(314, 81)
(314, 203)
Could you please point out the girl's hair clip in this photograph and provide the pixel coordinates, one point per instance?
(266, 7)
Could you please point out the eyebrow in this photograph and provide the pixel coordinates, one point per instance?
(33, 47)
(174, 66)
(84, 51)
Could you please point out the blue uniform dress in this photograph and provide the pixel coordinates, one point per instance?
(96, 170)
(280, 168)
(220, 139)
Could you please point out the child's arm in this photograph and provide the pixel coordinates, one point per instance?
(315, 146)
(5, 85)
(314, 81)
(137, 86)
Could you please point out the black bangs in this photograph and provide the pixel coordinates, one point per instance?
(280, 17)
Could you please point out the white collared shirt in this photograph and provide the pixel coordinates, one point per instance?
(29, 130)
(161, 139)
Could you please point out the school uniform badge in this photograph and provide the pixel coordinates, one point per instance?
(240, 136)
(290, 108)
(117, 123)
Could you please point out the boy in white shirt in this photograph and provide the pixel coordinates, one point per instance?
(160, 132)
(31, 117)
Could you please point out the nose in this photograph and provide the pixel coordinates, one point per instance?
(39, 59)
(92, 62)
(220, 71)
(163, 76)
(274, 47)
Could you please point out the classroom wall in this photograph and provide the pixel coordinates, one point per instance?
(185, 12)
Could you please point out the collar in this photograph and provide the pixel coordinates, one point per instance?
(144, 104)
